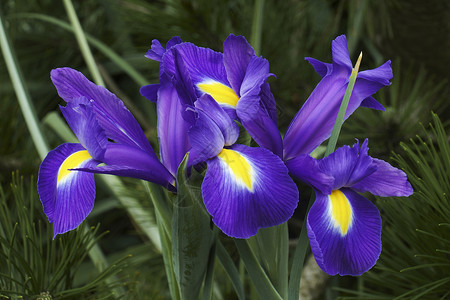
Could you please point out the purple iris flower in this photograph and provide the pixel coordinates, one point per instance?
(344, 228)
(235, 79)
(108, 134)
(244, 188)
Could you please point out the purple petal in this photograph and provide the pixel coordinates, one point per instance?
(117, 121)
(83, 121)
(370, 102)
(67, 196)
(173, 41)
(315, 120)
(268, 102)
(385, 181)
(321, 68)
(227, 126)
(248, 188)
(150, 91)
(205, 138)
(172, 128)
(202, 64)
(370, 81)
(344, 230)
(258, 124)
(341, 57)
(306, 169)
(124, 160)
(256, 74)
(237, 54)
(347, 166)
(156, 51)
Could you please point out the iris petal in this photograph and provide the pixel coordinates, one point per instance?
(385, 181)
(112, 115)
(237, 54)
(124, 160)
(306, 169)
(82, 119)
(67, 196)
(258, 124)
(348, 166)
(345, 238)
(201, 63)
(246, 189)
(227, 126)
(171, 126)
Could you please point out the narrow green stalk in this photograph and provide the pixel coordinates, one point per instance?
(231, 270)
(22, 93)
(259, 278)
(82, 42)
(257, 24)
(341, 114)
(299, 258)
(272, 247)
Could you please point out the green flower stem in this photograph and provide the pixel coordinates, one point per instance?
(82, 42)
(299, 258)
(303, 242)
(259, 278)
(257, 24)
(340, 117)
(272, 248)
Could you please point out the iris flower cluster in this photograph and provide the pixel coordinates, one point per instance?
(201, 98)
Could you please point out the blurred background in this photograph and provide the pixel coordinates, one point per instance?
(413, 34)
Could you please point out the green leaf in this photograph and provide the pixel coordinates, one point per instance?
(263, 286)
(191, 236)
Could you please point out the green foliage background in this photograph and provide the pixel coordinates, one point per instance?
(414, 34)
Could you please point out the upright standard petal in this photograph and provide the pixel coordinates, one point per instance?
(171, 126)
(206, 139)
(203, 65)
(229, 129)
(314, 122)
(67, 196)
(237, 54)
(259, 125)
(248, 188)
(82, 119)
(348, 165)
(344, 230)
(112, 115)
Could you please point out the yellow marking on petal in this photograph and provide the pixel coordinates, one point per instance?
(71, 162)
(221, 93)
(341, 211)
(239, 166)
